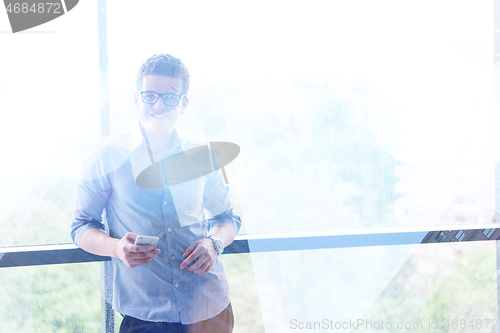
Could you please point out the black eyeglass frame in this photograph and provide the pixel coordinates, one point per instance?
(162, 97)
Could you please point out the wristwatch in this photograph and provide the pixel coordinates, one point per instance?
(219, 246)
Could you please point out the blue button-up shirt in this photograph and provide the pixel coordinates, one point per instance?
(180, 215)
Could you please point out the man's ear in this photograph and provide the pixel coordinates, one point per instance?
(185, 103)
(136, 101)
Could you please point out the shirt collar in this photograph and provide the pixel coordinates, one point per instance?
(139, 140)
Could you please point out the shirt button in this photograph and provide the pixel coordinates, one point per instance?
(176, 285)
(165, 203)
(169, 229)
(173, 257)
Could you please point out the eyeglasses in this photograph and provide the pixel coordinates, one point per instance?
(170, 99)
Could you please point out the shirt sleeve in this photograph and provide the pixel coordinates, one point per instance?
(218, 203)
(92, 193)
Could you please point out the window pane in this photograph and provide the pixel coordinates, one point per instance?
(49, 98)
(57, 298)
(442, 285)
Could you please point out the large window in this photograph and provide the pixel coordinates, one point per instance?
(350, 115)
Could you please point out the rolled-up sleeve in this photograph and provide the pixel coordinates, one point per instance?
(92, 193)
(217, 201)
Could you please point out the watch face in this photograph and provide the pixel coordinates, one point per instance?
(217, 244)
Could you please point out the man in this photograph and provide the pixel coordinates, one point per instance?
(181, 285)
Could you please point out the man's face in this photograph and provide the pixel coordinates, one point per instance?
(159, 116)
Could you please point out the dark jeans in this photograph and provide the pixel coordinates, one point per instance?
(222, 323)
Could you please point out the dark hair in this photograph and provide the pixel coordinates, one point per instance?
(164, 64)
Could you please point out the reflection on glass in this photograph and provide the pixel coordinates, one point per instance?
(57, 298)
(449, 288)
(443, 284)
(345, 122)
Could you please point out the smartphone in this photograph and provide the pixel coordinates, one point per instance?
(147, 240)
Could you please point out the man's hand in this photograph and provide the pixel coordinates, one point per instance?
(134, 255)
(205, 252)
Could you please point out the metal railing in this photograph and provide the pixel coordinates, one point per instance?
(19, 256)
